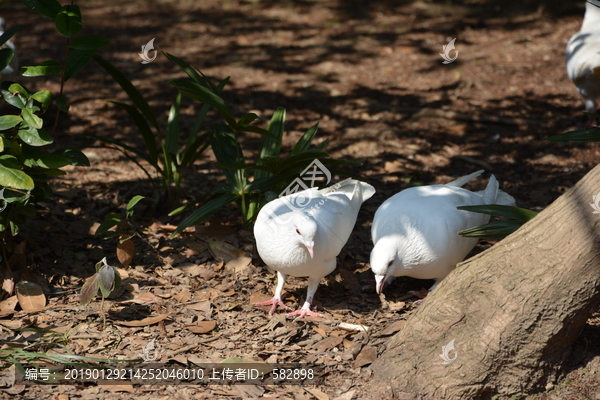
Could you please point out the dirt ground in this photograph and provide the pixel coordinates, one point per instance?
(371, 75)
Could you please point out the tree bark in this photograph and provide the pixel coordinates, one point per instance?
(513, 311)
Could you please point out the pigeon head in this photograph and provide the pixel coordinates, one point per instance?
(304, 231)
(384, 261)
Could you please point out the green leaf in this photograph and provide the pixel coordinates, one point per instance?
(187, 68)
(580, 136)
(76, 60)
(34, 137)
(68, 20)
(144, 129)
(14, 178)
(62, 105)
(135, 96)
(76, 157)
(14, 99)
(194, 150)
(199, 93)
(172, 139)
(520, 214)
(111, 220)
(5, 37)
(31, 119)
(205, 211)
(48, 8)
(271, 146)
(305, 140)
(89, 290)
(106, 280)
(6, 56)
(9, 121)
(493, 231)
(247, 119)
(227, 150)
(133, 202)
(53, 161)
(46, 68)
(44, 97)
(89, 42)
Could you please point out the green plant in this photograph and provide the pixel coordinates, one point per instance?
(25, 163)
(125, 231)
(106, 280)
(498, 229)
(162, 148)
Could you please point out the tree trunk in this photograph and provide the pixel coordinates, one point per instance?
(513, 311)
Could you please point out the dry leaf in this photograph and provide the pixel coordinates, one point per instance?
(328, 343)
(225, 251)
(195, 245)
(195, 270)
(366, 356)
(203, 306)
(31, 296)
(353, 327)
(346, 396)
(393, 328)
(202, 326)
(320, 331)
(184, 296)
(239, 265)
(317, 393)
(118, 388)
(145, 321)
(8, 304)
(216, 231)
(126, 252)
(350, 281)
(18, 259)
(257, 297)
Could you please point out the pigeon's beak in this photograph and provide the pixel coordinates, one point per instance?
(310, 247)
(380, 282)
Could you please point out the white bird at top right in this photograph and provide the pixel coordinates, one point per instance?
(583, 57)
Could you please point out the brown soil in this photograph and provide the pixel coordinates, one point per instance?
(371, 75)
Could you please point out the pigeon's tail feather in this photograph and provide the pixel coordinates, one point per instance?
(493, 195)
(351, 187)
(367, 191)
(464, 179)
(505, 199)
(491, 191)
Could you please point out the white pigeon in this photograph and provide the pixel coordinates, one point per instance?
(415, 232)
(302, 234)
(583, 56)
(11, 69)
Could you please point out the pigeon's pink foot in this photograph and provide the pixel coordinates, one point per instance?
(303, 313)
(418, 294)
(275, 302)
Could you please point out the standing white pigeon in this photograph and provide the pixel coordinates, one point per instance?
(583, 56)
(415, 232)
(302, 234)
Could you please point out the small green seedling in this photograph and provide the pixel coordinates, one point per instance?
(106, 279)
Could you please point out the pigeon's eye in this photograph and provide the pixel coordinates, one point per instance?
(390, 263)
(297, 231)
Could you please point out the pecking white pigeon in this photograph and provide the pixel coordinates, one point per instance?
(302, 234)
(415, 232)
(12, 68)
(583, 57)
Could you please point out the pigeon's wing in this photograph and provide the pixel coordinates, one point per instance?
(464, 179)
